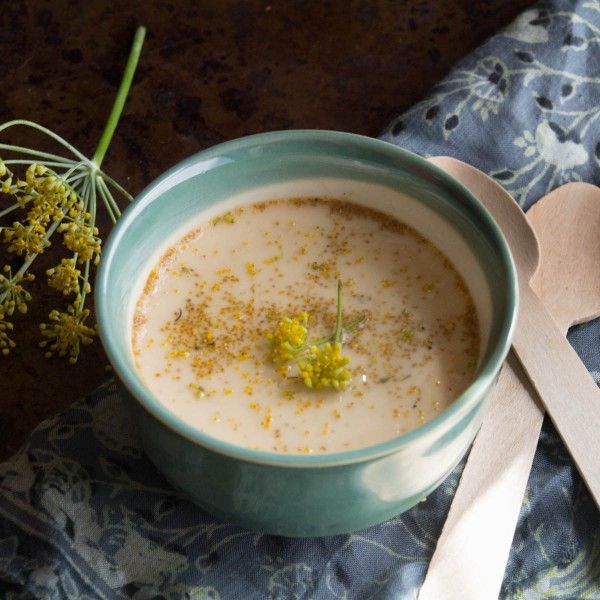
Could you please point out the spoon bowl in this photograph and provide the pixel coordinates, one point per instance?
(568, 227)
(508, 214)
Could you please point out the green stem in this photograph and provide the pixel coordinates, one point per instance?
(337, 335)
(38, 153)
(117, 108)
(85, 193)
(355, 323)
(73, 178)
(47, 163)
(107, 198)
(107, 206)
(92, 223)
(65, 176)
(92, 209)
(49, 133)
(77, 183)
(112, 182)
(351, 326)
(9, 209)
(86, 276)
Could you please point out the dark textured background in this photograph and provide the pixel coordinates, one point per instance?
(210, 71)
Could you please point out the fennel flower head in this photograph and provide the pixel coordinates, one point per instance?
(57, 196)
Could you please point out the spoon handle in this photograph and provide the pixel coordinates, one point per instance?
(471, 554)
(564, 385)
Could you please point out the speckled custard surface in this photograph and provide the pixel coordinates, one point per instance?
(201, 326)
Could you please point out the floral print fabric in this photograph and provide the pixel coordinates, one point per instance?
(524, 107)
(84, 514)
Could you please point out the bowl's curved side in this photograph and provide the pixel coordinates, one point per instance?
(306, 502)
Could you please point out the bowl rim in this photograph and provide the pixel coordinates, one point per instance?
(458, 408)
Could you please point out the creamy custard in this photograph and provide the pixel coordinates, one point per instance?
(200, 327)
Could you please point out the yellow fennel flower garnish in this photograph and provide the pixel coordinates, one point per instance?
(289, 337)
(320, 363)
(325, 367)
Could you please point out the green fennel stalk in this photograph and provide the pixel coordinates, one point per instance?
(59, 194)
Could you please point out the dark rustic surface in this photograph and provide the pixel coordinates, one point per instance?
(210, 71)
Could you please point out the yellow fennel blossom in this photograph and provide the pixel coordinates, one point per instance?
(6, 179)
(26, 239)
(325, 367)
(66, 333)
(50, 195)
(65, 277)
(320, 363)
(289, 336)
(82, 238)
(6, 342)
(12, 293)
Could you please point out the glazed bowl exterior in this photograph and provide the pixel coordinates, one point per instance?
(308, 495)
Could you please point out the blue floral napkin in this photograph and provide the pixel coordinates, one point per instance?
(83, 513)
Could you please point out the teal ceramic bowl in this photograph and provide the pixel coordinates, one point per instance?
(309, 495)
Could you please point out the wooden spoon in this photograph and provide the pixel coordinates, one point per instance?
(471, 555)
(567, 224)
(564, 385)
